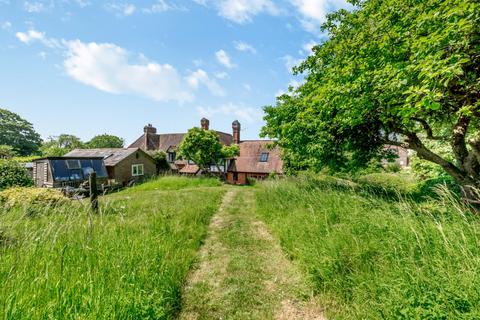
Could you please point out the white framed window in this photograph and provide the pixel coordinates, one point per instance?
(264, 157)
(137, 170)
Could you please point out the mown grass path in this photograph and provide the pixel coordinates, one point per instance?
(242, 272)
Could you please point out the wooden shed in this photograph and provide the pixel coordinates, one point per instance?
(123, 165)
(60, 172)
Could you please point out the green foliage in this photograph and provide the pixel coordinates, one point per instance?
(204, 148)
(31, 197)
(13, 174)
(368, 258)
(160, 159)
(105, 141)
(18, 133)
(129, 261)
(6, 152)
(175, 183)
(59, 146)
(391, 70)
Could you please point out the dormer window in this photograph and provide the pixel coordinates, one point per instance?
(264, 157)
(171, 156)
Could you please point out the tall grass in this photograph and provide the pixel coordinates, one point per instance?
(129, 261)
(369, 258)
(176, 183)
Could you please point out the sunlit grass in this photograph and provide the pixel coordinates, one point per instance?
(370, 258)
(129, 261)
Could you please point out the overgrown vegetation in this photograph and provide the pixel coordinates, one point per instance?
(373, 258)
(129, 261)
(13, 174)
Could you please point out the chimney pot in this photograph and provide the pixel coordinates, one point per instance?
(205, 123)
(236, 131)
(149, 129)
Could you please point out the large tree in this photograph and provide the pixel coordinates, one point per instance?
(18, 133)
(59, 146)
(204, 148)
(105, 141)
(394, 72)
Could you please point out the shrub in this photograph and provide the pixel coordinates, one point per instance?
(251, 181)
(13, 174)
(393, 167)
(31, 197)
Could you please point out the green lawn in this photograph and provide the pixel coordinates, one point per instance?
(377, 258)
(128, 262)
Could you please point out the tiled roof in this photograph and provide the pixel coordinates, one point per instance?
(166, 140)
(111, 156)
(190, 168)
(249, 159)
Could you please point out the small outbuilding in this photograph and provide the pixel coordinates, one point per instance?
(123, 165)
(61, 172)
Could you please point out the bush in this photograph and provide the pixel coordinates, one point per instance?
(390, 183)
(31, 197)
(13, 174)
(393, 167)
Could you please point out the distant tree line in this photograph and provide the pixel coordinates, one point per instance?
(19, 138)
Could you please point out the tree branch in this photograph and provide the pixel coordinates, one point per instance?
(427, 129)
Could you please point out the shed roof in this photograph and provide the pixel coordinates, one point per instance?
(110, 156)
(249, 159)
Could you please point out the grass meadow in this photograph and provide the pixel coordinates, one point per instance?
(129, 261)
(374, 257)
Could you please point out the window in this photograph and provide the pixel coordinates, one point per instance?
(171, 157)
(264, 157)
(137, 170)
(73, 164)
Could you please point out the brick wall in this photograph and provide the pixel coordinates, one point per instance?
(122, 172)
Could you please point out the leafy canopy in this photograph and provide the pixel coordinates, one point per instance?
(18, 133)
(392, 72)
(105, 141)
(59, 146)
(204, 148)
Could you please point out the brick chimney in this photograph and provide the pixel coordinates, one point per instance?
(148, 130)
(236, 131)
(205, 123)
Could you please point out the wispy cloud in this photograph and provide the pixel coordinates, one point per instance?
(224, 59)
(291, 62)
(230, 109)
(34, 35)
(121, 9)
(201, 77)
(6, 25)
(162, 6)
(36, 6)
(245, 47)
(241, 11)
(314, 12)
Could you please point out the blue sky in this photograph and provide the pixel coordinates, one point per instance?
(88, 67)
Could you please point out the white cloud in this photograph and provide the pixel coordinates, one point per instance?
(221, 75)
(314, 12)
(293, 83)
(162, 6)
(201, 77)
(6, 25)
(121, 9)
(247, 87)
(33, 35)
(83, 3)
(242, 112)
(34, 6)
(224, 59)
(241, 11)
(291, 62)
(307, 47)
(42, 54)
(245, 47)
(106, 67)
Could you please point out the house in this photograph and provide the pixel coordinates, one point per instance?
(257, 158)
(123, 165)
(60, 172)
(402, 155)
